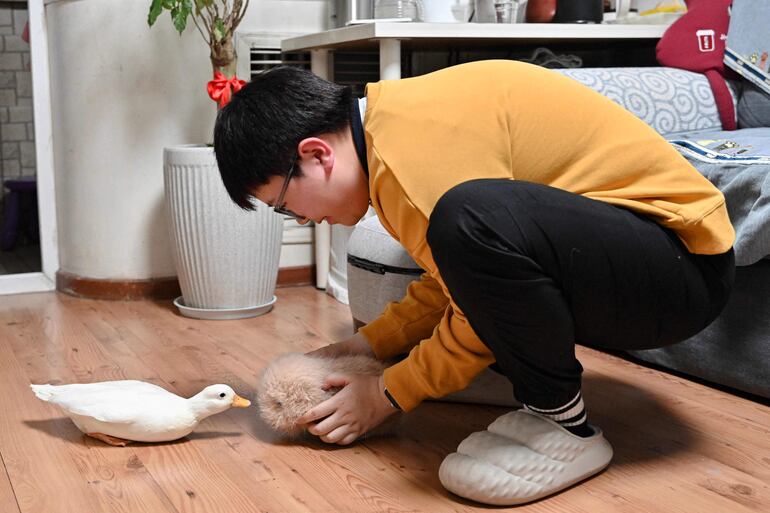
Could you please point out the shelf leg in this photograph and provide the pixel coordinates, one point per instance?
(319, 65)
(390, 59)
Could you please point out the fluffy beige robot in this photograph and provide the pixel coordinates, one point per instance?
(293, 383)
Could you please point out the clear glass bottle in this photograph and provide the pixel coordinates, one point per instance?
(398, 9)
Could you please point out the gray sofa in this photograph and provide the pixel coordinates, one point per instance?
(735, 350)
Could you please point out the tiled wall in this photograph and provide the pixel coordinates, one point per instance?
(16, 126)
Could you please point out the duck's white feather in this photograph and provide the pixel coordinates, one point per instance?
(135, 410)
(119, 402)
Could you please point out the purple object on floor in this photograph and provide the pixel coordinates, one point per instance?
(13, 212)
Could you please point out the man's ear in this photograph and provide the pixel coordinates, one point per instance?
(316, 149)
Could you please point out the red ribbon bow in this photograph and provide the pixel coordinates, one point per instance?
(220, 88)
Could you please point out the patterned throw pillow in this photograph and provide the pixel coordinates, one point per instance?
(670, 100)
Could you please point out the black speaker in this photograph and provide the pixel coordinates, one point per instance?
(579, 11)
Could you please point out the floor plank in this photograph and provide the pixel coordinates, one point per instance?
(7, 497)
(680, 447)
(731, 434)
(185, 473)
(42, 473)
(184, 365)
(117, 477)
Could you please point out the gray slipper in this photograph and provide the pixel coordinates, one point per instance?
(522, 457)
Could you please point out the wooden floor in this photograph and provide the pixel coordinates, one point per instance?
(679, 446)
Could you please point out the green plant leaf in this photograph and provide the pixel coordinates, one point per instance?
(155, 9)
(169, 4)
(201, 4)
(175, 19)
(180, 13)
(219, 30)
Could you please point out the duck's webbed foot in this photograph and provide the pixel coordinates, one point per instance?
(111, 440)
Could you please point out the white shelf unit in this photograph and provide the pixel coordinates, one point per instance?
(355, 35)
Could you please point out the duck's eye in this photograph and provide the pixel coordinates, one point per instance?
(222, 394)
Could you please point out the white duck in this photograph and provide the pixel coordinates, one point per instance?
(120, 412)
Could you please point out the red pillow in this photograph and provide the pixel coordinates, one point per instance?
(696, 42)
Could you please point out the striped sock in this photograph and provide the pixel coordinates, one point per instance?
(572, 416)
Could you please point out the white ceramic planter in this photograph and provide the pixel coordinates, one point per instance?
(226, 258)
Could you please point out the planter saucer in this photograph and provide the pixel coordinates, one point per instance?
(223, 314)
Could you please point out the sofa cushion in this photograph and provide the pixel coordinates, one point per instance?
(753, 107)
(735, 349)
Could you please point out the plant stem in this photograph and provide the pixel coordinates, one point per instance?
(228, 71)
(223, 56)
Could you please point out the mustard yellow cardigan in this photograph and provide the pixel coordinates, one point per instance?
(505, 119)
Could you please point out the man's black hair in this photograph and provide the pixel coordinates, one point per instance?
(257, 133)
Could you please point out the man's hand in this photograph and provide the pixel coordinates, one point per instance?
(357, 344)
(359, 407)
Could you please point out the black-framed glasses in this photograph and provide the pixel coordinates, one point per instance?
(279, 203)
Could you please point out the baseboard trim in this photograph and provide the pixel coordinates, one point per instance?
(90, 288)
(157, 288)
(296, 276)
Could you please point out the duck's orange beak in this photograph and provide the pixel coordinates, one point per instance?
(240, 402)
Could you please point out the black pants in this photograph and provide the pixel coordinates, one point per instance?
(536, 269)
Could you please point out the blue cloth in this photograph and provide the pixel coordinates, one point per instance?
(747, 49)
(738, 163)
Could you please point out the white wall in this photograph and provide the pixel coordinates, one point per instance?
(286, 16)
(297, 245)
(120, 92)
(271, 20)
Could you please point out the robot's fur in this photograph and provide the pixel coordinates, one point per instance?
(293, 383)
